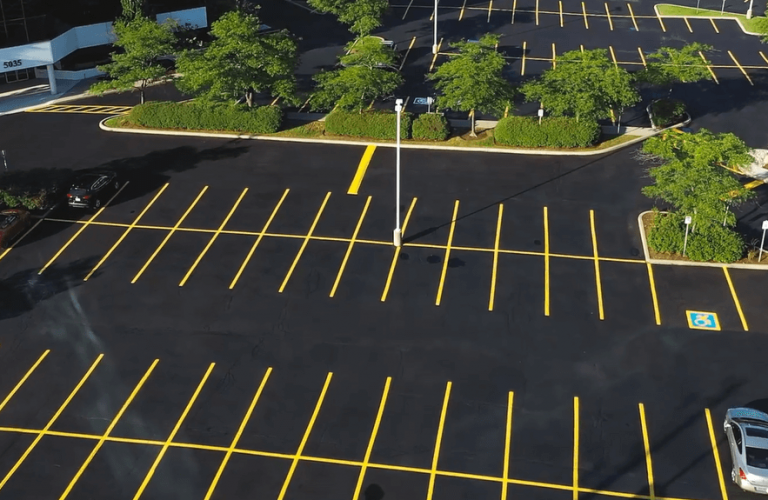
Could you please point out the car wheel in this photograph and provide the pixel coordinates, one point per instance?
(97, 203)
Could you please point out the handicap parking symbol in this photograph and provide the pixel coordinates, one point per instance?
(699, 320)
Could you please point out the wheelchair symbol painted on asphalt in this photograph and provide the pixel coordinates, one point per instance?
(699, 320)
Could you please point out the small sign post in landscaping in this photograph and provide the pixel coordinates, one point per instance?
(762, 242)
(687, 225)
(5, 164)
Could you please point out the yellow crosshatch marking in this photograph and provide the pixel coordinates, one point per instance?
(159, 448)
(87, 109)
(700, 320)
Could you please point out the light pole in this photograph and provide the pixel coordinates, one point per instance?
(434, 43)
(765, 227)
(687, 225)
(749, 11)
(723, 9)
(5, 164)
(397, 237)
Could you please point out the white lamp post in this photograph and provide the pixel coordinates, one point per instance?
(434, 43)
(765, 227)
(687, 225)
(397, 237)
(749, 11)
(723, 9)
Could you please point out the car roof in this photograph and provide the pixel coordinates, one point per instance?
(748, 414)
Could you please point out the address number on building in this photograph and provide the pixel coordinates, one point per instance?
(12, 64)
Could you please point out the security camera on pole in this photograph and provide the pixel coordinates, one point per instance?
(765, 227)
(687, 225)
(397, 239)
(434, 43)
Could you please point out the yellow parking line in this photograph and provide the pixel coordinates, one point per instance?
(50, 422)
(490, 8)
(608, 13)
(402, 63)
(397, 252)
(514, 7)
(663, 28)
(375, 431)
(581, 46)
(546, 263)
(613, 56)
(711, 72)
(495, 258)
(258, 240)
(575, 448)
(361, 168)
(23, 379)
(168, 236)
(349, 248)
(125, 233)
(434, 58)
(642, 57)
(740, 67)
(21, 238)
(522, 69)
(537, 12)
(735, 299)
(507, 440)
(597, 266)
(305, 104)
(584, 11)
(716, 455)
(213, 238)
(461, 13)
(560, 2)
(690, 29)
(304, 244)
(109, 430)
(79, 231)
(305, 438)
(239, 433)
(439, 438)
(407, 9)
(554, 56)
(753, 184)
(646, 444)
(714, 25)
(632, 14)
(173, 433)
(447, 253)
(652, 283)
(763, 56)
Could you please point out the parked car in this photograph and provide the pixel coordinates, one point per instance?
(747, 432)
(92, 190)
(13, 222)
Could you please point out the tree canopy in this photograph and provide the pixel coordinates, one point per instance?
(142, 42)
(362, 16)
(587, 85)
(668, 65)
(240, 60)
(472, 79)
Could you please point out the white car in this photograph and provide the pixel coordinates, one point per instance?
(747, 432)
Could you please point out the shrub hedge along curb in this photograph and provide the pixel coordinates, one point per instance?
(207, 116)
(430, 127)
(554, 132)
(373, 124)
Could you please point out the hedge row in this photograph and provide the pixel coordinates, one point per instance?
(373, 124)
(431, 127)
(710, 243)
(554, 132)
(207, 116)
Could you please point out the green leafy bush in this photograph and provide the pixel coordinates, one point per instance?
(716, 243)
(556, 132)
(667, 233)
(373, 124)
(207, 116)
(667, 112)
(32, 189)
(431, 127)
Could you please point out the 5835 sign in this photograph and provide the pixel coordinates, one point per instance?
(12, 64)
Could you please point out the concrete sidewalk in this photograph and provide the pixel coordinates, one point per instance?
(37, 94)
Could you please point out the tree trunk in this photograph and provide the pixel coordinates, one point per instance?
(472, 123)
(141, 91)
(249, 98)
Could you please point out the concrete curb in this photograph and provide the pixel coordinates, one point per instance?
(666, 262)
(737, 19)
(102, 126)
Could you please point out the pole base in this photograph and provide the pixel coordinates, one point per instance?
(434, 49)
(397, 238)
(749, 14)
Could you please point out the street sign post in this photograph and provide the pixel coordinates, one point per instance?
(687, 225)
(5, 164)
(765, 227)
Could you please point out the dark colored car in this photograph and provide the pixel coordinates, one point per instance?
(92, 190)
(13, 222)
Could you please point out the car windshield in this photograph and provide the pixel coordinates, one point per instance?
(757, 457)
(6, 220)
(758, 432)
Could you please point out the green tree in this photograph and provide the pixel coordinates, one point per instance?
(362, 16)
(584, 84)
(366, 74)
(143, 42)
(132, 9)
(668, 65)
(693, 176)
(472, 79)
(240, 60)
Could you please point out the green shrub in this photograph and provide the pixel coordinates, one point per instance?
(555, 132)
(373, 124)
(667, 233)
(431, 127)
(715, 243)
(207, 116)
(667, 112)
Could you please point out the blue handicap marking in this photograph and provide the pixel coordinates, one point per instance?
(420, 100)
(699, 320)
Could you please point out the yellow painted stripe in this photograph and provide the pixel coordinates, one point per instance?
(652, 283)
(613, 56)
(598, 282)
(304, 439)
(50, 422)
(172, 435)
(495, 258)
(522, 67)
(688, 24)
(584, 11)
(402, 63)
(507, 440)
(663, 28)
(716, 455)
(305, 242)
(735, 299)
(397, 252)
(546, 263)
(374, 432)
(109, 430)
(537, 12)
(608, 13)
(632, 14)
(23, 379)
(763, 56)
(740, 67)
(646, 444)
(434, 58)
(575, 448)
(349, 248)
(490, 9)
(438, 440)
(560, 4)
(514, 8)
(714, 25)
(642, 57)
(711, 72)
(361, 168)
(754, 184)
(447, 253)
(239, 433)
